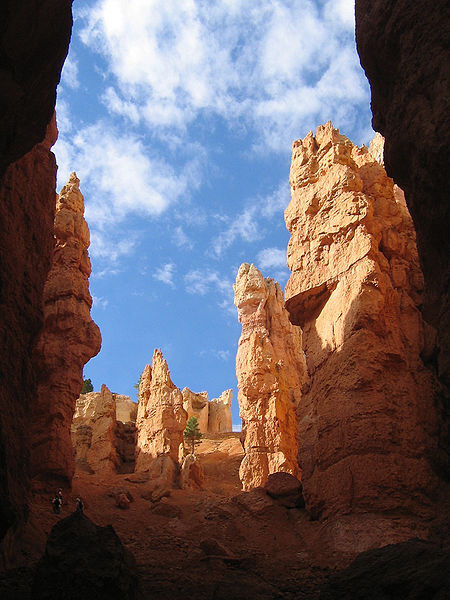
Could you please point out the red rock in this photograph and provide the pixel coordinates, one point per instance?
(69, 338)
(286, 488)
(270, 369)
(160, 423)
(368, 420)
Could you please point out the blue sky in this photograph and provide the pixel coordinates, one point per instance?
(178, 118)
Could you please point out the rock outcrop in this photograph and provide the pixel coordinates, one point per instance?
(126, 409)
(34, 40)
(161, 420)
(368, 422)
(219, 418)
(94, 432)
(26, 236)
(270, 369)
(196, 405)
(68, 340)
(404, 51)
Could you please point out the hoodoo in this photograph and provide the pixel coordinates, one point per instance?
(367, 424)
(160, 423)
(69, 338)
(270, 369)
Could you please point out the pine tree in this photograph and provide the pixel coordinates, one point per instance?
(192, 432)
(87, 386)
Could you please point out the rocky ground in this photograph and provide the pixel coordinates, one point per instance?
(218, 542)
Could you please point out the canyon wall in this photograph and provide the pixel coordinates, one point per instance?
(196, 405)
(34, 40)
(368, 422)
(161, 420)
(403, 48)
(270, 369)
(69, 338)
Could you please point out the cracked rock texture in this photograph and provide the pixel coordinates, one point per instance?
(368, 423)
(69, 338)
(161, 420)
(270, 369)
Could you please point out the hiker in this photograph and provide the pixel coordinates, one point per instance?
(80, 505)
(59, 495)
(56, 505)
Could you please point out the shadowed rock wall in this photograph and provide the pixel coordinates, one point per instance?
(369, 427)
(404, 50)
(34, 39)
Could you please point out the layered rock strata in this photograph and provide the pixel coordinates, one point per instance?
(196, 405)
(219, 413)
(69, 338)
(161, 420)
(270, 369)
(94, 432)
(368, 422)
(403, 48)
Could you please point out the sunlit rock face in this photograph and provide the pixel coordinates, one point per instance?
(368, 422)
(270, 369)
(94, 432)
(196, 405)
(69, 338)
(126, 409)
(220, 419)
(403, 47)
(161, 420)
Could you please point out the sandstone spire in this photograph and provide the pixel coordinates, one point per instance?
(196, 405)
(69, 338)
(160, 423)
(366, 422)
(270, 369)
(220, 420)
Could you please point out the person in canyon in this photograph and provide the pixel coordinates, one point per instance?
(56, 503)
(79, 506)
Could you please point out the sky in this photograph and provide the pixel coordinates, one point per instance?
(179, 118)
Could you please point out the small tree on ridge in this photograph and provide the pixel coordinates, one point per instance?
(192, 432)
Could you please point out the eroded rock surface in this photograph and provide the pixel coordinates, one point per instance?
(220, 419)
(161, 420)
(403, 48)
(270, 369)
(196, 405)
(126, 409)
(368, 423)
(94, 432)
(68, 340)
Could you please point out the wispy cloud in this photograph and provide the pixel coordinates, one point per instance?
(165, 274)
(279, 66)
(271, 257)
(69, 75)
(244, 227)
(180, 238)
(99, 302)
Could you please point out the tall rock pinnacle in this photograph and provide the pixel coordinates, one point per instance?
(367, 424)
(69, 338)
(270, 369)
(160, 423)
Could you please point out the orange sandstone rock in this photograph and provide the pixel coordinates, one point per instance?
(220, 419)
(196, 405)
(270, 369)
(160, 423)
(68, 340)
(94, 432)
(367, 421)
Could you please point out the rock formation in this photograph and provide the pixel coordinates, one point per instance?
(213, 416)
(34, 40)
(94, 432)
(126, 409)
(196, 405)
(404, 51)
(270, 369)
(367, 423)
(160, 423)
(69, 338)
(220, 419)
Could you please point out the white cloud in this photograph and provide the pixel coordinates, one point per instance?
(245, 227)
(69, 75)
(271, 258)
(279, 67)
(205, 281)
(99, 302)
(180, 238)
(165, 274)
